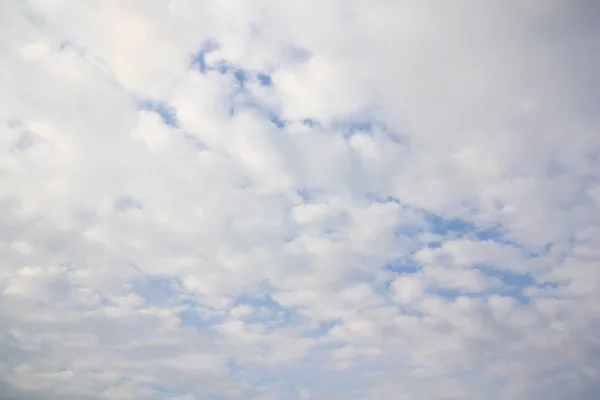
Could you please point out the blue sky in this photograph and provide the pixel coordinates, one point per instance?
(270, 200)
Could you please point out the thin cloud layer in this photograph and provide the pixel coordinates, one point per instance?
(322, 200)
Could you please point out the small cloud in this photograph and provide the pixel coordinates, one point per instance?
(304, 394)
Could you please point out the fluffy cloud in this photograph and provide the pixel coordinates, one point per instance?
(325, 200)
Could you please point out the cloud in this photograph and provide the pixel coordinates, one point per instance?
(324, 200)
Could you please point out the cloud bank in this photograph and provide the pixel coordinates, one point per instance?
(299, 200)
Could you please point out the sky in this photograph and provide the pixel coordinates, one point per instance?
(312, 200)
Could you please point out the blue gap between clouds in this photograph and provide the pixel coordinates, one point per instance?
(279, 123)
(241, 78)
(511, 279)
(191, 319)
(369, 119)
(223, 66)
(125, 203)
(165, 290)
(158, 290)
(311, 194)
(514, 284)
(304, 194)
(402, 267)
(267, 311)
(167, 113)
(278, 315)
(311, 123)
(363, 122)
(199, 59)
(264, 79)
(350, 128)
(440, 225)
(457, 227)
(296, 55)
(453, 228)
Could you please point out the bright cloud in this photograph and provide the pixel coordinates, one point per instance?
(299, 200)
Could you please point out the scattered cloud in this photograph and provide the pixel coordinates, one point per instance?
(323, 200)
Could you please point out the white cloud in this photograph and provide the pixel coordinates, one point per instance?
(407, 207)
